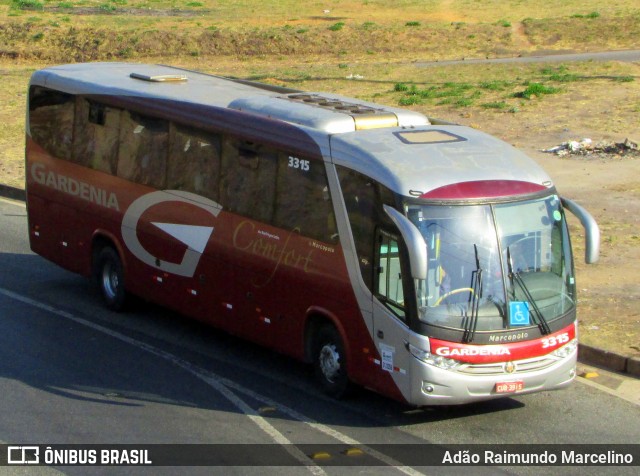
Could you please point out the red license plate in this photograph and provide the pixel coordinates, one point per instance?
(509, 387)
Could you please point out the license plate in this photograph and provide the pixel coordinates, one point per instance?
(509, 387)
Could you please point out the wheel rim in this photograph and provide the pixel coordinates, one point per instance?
(110, 281)
(329, 362)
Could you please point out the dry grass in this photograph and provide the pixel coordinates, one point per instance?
(281, 12)
(89, 30)
(13, 89)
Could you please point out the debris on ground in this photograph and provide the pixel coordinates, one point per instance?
(587, 147)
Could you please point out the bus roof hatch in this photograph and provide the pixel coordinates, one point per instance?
(159, 78)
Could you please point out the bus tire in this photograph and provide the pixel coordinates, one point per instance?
(110, 278)
(329, 359)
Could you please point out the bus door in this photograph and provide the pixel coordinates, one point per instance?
(390, 319)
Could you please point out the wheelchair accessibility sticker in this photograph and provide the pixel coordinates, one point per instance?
(519, 313)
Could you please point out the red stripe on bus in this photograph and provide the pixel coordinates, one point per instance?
(483, 189)
(485, 354)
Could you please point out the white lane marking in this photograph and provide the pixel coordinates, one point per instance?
(327, 430)
(16, 202)
(208, 377)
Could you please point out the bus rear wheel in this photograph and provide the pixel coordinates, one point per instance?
(110, 278)
(330, 362)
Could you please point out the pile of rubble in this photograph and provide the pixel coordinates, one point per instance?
(586, 147)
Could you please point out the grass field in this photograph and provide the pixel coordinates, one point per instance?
(372, 49)
(89, 30)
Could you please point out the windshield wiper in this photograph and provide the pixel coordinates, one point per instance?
(538, 318)
(476, 285)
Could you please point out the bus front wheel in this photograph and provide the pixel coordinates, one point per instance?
(330, 362)
(110, 278)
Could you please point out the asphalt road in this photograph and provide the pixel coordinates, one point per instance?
(72, 372)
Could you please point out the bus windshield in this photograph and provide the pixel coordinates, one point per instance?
(496, 266)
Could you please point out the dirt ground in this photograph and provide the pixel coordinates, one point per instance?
(607, 186)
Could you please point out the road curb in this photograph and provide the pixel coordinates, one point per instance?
(586, 353)
(13, 193)
(609, 360)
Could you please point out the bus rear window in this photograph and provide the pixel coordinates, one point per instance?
(47, 107)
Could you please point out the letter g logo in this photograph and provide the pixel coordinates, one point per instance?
(195, 237)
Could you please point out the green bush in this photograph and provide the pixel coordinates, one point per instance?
(463, 102)
(501, 105)
(535, 89)
(561, 74)
(624, 79)
(409, 101)
(588, 15)
(27, 4)
(495, 85)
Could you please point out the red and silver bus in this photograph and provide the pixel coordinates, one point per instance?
(427, 261)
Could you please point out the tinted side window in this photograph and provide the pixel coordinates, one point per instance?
(302, 199)
(389, 288)
(194, 161)
(142, 155)
(96, 131)
(364, 199)
(51, 120)
(248, 179)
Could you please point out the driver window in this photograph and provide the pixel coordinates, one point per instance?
(389, 286)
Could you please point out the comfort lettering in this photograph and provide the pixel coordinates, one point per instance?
(245, 238)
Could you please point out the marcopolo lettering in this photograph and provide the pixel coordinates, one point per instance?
(510, 337)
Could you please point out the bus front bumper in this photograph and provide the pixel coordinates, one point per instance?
(435, 386)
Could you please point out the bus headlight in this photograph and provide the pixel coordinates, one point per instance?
(566, 350)
(432, 359)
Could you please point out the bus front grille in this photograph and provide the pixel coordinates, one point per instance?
(501, 368)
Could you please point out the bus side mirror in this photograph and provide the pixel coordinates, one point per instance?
(414, 241)
(592, 232)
